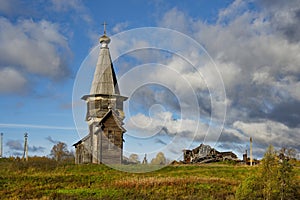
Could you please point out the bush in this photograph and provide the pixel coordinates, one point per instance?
(275, 180)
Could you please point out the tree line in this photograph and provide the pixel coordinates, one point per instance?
(60, 152)
(160, 159)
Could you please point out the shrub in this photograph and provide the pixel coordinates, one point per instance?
(275, 180)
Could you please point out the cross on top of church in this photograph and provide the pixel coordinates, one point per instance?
(104, 25)
(104, 40)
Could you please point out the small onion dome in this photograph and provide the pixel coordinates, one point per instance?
(104, 40)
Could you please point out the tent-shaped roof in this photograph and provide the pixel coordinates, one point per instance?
(105, 81)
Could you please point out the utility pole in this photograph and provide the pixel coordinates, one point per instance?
(1, 145)
(251, 158)
(25, 153)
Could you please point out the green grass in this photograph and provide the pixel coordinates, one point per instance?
(46, 179)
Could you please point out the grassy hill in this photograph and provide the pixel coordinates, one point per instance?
(41, 178)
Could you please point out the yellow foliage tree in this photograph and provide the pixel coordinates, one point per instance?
(160, 159)
(274, 181)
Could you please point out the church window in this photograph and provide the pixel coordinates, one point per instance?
(104, 104)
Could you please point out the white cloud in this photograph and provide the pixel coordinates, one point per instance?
(35, 48)
(257, 54)
(259, 67)
(244, 48)
(76, 5)
(175, 18)
(11, 7)
(11, 80)
(162, 122)
(269, 132)
(120, 27)
(262, 77)
(65, 5)
(229, 13)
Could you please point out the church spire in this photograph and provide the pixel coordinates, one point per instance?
(104, 143)
(104, 40)
(105, 81)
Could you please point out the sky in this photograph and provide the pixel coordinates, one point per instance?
(217, 72)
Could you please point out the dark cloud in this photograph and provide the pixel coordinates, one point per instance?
(231, 146)
(204, 102)
(14, 153)
(226, 136)
(284, 17)
(146, 96)
(14, 145)
(159, 141)
(142, 56)
(287, 113)
(50, 139)
(36, 149)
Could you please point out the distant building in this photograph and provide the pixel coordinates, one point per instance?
(246, 159)
(104, 142)
(205, 154)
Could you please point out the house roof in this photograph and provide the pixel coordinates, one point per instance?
(116, 118)
(82, 140)
(105, 117)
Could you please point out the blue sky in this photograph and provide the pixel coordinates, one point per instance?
(254, 44)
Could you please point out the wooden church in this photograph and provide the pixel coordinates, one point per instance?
(104, 142)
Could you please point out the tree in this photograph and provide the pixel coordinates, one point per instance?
(274, 180)
(160, 159)
(269, 170)
(285, 176)
(134, 158)
(60, 152)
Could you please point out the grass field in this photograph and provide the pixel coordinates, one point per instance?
(45, 179)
